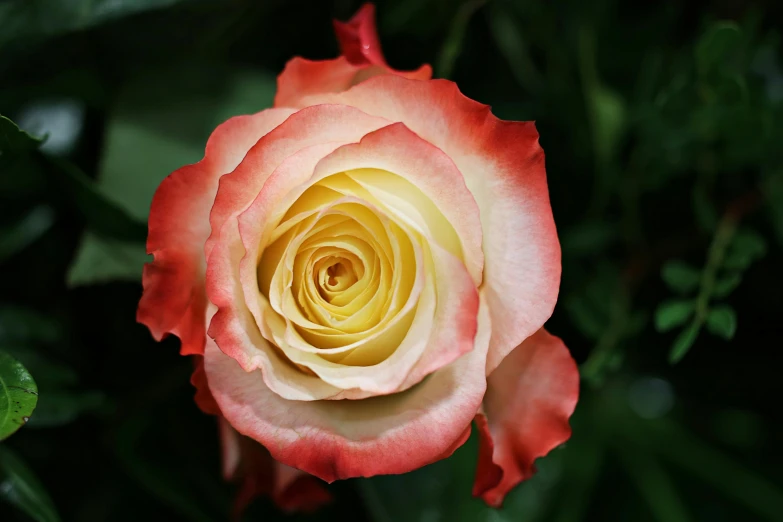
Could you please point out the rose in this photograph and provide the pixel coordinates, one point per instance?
(366, 269)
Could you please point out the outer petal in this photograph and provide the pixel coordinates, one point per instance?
(529, 399)
(233, 326)
(503, 166)
(174, 300)
(247, 462)
(341, 439)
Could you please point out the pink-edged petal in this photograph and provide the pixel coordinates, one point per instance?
(174, 301)
(305, 128)
(503, 166)
(358, 38)
(529, 400)
(233, 327)
(341, 439)
(301, 78)
(258, 474)
(397, 150)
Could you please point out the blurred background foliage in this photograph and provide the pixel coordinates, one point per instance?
(663, 127)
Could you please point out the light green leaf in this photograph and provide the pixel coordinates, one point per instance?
(101, 260)
(722, 321)
(682, 344)
(21, 488)
(18, 395)
(680, 276)
(671, 314)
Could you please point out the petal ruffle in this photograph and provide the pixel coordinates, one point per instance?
(529, 400)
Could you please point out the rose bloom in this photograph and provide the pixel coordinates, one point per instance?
(362, 272)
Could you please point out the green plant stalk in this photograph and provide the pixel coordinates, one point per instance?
(717, 252)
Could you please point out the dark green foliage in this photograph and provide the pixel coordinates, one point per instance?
(662, 123)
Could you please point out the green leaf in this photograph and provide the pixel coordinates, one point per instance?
(18, 395)
(749, 243)
(26, 231)
(717, 42)
(671, 314)
(442, 491)
(102, 216)
(101, 260)
(725, 285)
(680, 276)
(682, 344)
(722, 321)
(49, 374)
(43, 18)
(21, 488)
(14, 140)
(746, 247)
